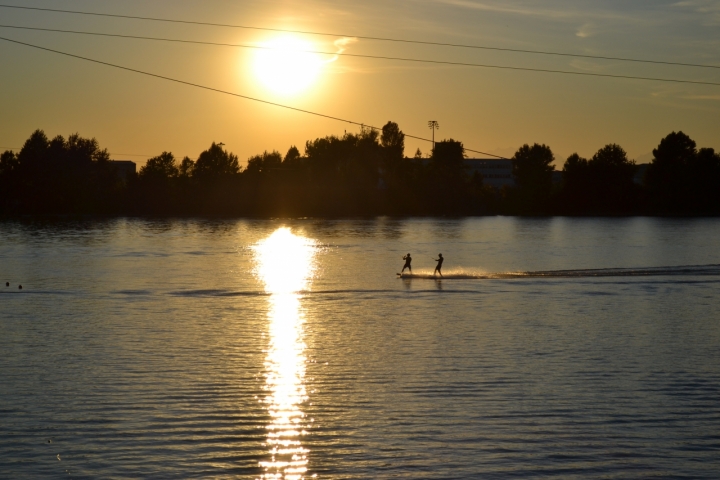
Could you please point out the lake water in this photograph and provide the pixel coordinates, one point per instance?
(290, 349)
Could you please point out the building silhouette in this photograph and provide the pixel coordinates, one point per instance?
(495, 172)
(125, 168)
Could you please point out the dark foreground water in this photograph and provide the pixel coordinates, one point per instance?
(290, 349)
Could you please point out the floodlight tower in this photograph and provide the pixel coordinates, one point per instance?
(433, 125)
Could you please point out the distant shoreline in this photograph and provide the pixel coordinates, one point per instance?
(68, 216)
(361, 175)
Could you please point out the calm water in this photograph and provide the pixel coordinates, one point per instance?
(290, 349)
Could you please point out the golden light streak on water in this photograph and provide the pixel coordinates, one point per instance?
(285, 263)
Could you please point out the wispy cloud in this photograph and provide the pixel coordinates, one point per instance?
(709, 9)
(587, 30)
(702, 97)
(505, 8)
(561, 11)
(678, 97)
(341, 45)
(590, 66)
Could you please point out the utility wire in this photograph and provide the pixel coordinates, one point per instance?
(381, 39)
(378, 57)
(246, 97)
(132, 154)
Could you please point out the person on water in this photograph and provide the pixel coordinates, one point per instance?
(407, 259)
(438, 269)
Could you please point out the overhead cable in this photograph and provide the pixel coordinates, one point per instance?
(364, 37)
(238, 95)
(378, 57)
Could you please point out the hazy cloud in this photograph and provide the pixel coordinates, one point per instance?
(341, 45)
(553, 10)
(505, 8)
(710, 9)
(702, 97)
(587, 65)
(586, 30)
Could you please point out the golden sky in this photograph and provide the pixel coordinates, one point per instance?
(490, 110)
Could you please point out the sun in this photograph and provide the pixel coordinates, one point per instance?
(286, 65)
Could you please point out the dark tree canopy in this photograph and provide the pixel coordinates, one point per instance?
(215, 162)
(59, 176)
(186, 168)
(161, 167)
(448, 178)
(532, 168)
(668, 177)
(448, 154)
(292, 156)
(157, 183)
(264, 163)
(393, 141)
(8, 162)
(704, 173)
(602, 185)
(674, 149)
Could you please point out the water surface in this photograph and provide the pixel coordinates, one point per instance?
(558, 348)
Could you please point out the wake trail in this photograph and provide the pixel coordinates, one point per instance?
(671, 271)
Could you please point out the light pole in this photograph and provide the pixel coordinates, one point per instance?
(433, 125)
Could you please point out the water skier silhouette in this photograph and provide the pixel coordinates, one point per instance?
(438, 269)
(407, 259)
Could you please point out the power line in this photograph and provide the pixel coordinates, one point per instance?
(246, 97)
(377, 57)
(364, 37)
(133, 154)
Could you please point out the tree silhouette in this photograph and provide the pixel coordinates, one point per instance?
(157, 183)
(161, 167)
(704, 173)
(601, 185)
(667, 176)
(292, 157)
(215, 162)
(264, 163)
(186, 168)
(448, 176)
(532, 169)
(393, 141)
(362, 173)
(62, 176)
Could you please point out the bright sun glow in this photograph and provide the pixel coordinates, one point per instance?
(285, 261)
(285, 264)
(285, 66)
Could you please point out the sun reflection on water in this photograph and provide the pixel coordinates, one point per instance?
(285, 263)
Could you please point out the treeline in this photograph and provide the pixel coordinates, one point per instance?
(356, 174)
